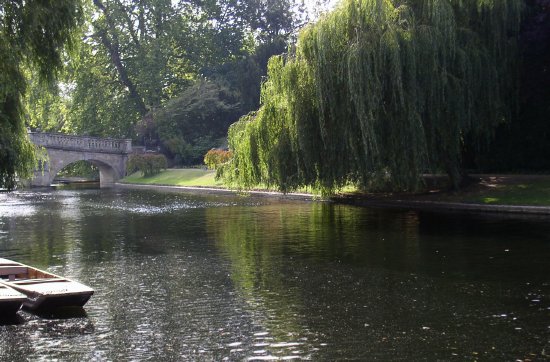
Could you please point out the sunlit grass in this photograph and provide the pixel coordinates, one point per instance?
(191, 177)
(532, 193)
(536, 193)
(177, 177)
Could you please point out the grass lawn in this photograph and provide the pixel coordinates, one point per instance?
(523, 190)
(177, 177)
(534, 192)
(183, 177)
(517, 190)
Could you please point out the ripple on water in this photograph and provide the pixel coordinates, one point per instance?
(275, 282)
(263, 358)
(161, 209)
(14, 207)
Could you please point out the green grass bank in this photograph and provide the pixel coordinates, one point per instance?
(516, 190)
(521, 190)
(177, 177)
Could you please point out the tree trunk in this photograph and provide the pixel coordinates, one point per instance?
(112, 46)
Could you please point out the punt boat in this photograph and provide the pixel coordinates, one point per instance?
(10, 301)
(43, 290)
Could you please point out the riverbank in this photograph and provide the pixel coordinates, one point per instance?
(221, 190)
(196, 177)
(525, 194)
(197, 180)
(517, 194)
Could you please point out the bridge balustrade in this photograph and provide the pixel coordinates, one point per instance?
(81, 143)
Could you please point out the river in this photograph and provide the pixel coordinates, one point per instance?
(190, 277)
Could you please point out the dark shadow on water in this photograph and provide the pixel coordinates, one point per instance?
(12, 320)
(62, 313)
(76, 185)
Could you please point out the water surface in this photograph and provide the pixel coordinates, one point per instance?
(210, 277)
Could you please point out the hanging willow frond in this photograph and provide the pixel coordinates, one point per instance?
(386, 88)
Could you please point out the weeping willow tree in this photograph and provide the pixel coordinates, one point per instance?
(32, 36)
(381, 90)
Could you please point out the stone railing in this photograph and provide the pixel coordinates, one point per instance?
(81, 143)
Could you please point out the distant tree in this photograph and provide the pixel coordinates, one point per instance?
(192, 123)
(141, 59)
(137, 55)
(245, 75)
(32, 36)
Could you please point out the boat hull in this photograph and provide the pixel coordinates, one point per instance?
(10, 301)
(42, 290)
(10, 307)
(56, 301)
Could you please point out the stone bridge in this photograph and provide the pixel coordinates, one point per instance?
(107, 154)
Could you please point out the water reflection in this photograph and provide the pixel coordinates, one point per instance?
(333, 278)
(190, 277)
(11, 320)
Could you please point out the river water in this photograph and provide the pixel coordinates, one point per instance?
(187, 277)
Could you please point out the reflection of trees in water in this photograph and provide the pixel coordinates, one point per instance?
(252, 241)
(46, 237)
(317, 231)
(271, 247)
(15, 343)
(367, 282)
(40, 238)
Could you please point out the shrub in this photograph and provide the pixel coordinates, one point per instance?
(148, 164)
(216, 157)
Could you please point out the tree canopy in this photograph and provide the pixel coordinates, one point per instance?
(140, 61)
(524, 144)
(32, 37)
(379, 91)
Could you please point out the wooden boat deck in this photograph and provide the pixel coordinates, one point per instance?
(8, 294)
(10, 301)
(42, 288)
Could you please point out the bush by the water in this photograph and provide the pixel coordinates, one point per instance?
(148, 164)
(216, 157)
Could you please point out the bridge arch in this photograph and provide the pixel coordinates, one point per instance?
(108, 155)
(108, 174)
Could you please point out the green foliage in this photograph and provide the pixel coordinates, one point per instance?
(244, 76)
(45, 108)
(216, 157)
(148, 164)
(80, 169)
(138, 55)
(32, 36)
(135, 56)
(524, 144)
(381, 90)
(196, 120)
(98, 105)
(171, 75)
(192, 123)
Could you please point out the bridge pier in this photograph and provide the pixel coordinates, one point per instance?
(41, 178)
(108, 155)
(107, 176)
